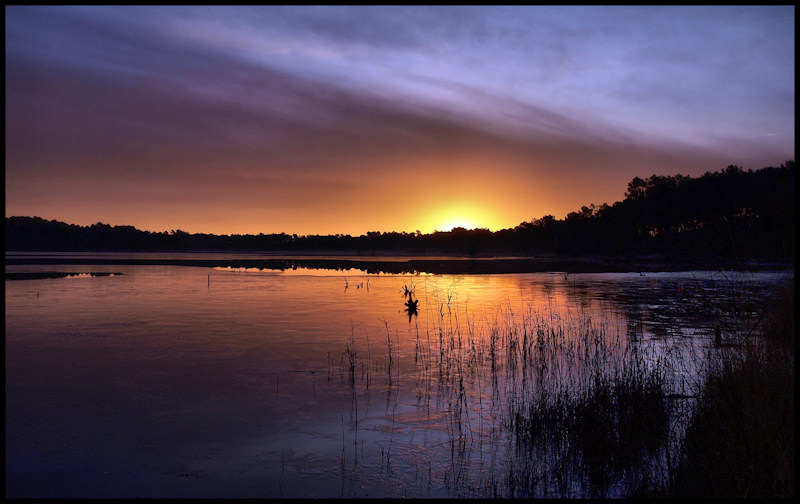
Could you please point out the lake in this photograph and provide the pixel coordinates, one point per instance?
(161, 380)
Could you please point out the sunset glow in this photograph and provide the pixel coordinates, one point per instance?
(336, 119)
(458, 222)
(465, 215)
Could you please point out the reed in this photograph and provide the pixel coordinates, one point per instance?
(586, 407)
(576, 407)
(740, 440)
(350, 359)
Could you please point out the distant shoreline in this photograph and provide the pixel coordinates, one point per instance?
(397, 263)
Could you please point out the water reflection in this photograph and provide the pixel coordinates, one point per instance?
(165, 372)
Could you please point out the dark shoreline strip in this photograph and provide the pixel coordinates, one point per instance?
(39, 275)
(433, 266)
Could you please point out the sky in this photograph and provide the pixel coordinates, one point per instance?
(344, 120)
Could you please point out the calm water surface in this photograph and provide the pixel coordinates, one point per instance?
(176, 381)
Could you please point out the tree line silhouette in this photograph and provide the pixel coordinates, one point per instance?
(734, 215)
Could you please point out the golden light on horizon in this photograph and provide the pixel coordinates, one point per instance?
(468, 215)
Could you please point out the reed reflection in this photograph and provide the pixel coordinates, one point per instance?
(412, 304)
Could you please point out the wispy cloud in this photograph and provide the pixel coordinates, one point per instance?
(281, 101)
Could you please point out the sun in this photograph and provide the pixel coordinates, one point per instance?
(460, 215)
(458, 222)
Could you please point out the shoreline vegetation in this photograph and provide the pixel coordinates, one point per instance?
(740, 440)
(591, 413)
(729, 219)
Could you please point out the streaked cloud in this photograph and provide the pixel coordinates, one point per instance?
(292, 110)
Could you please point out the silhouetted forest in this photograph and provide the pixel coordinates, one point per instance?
(732, 215)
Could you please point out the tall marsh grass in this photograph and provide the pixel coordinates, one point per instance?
(556, 404)
(740, 440)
